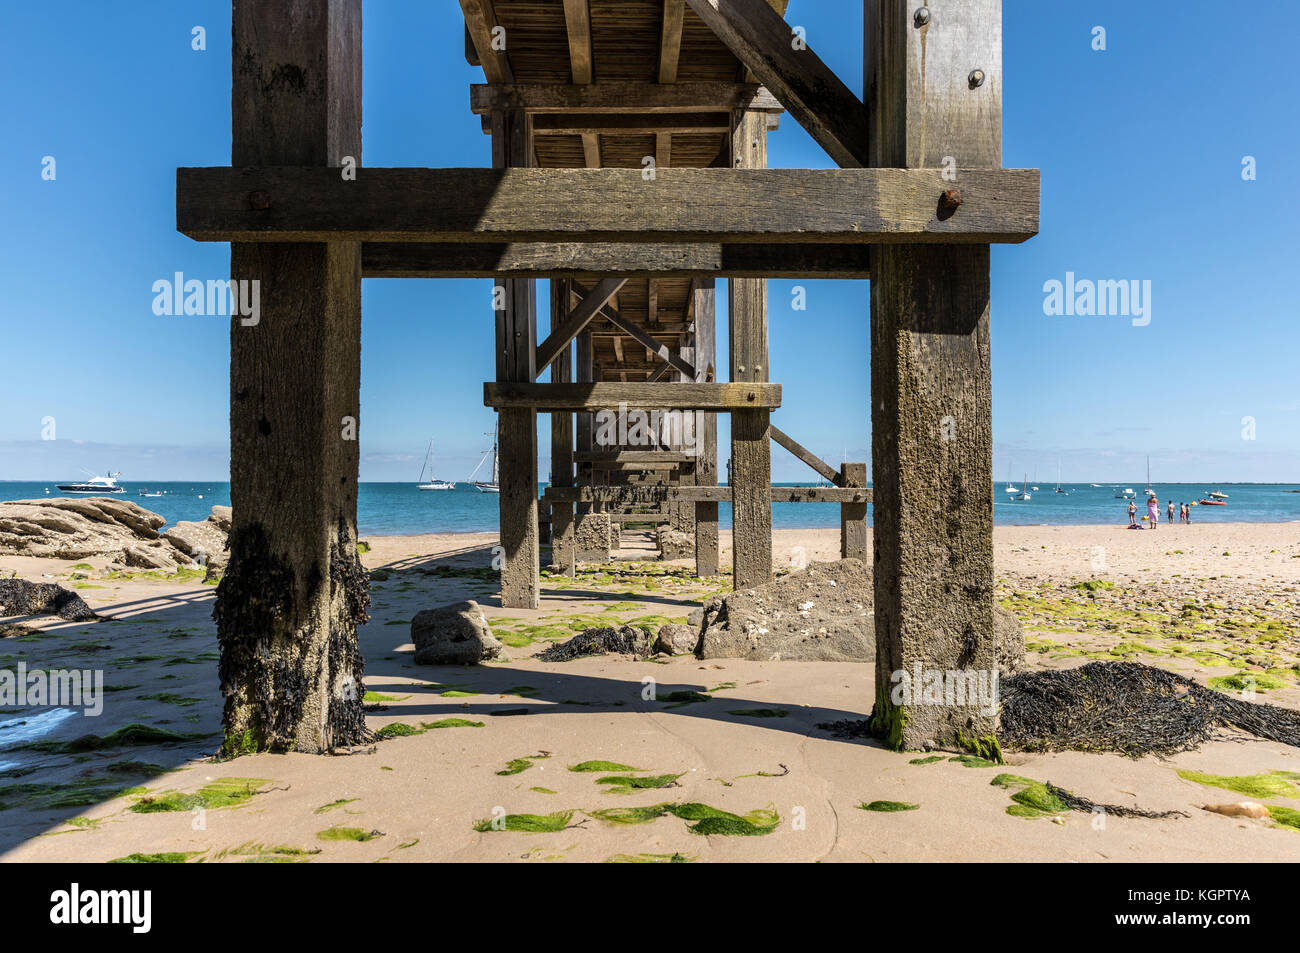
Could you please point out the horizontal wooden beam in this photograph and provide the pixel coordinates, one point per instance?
(635, 495)
(823, 469)
(646, 457)
(621, 98)
(481, 21)
(591, 261)
(609, 124)
(859, 206)
(590, 397)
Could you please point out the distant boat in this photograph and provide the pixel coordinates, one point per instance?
(1125, 494)
(495, 485)
(1150, 492)
(1058, 479)
(151, 493)
(96, 485)
(432, 484)
(1216, 495)
(1097, 485)
(1023, 495)
(1208, 502)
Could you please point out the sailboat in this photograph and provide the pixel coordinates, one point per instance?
(1150, 492)
(1024, 494)
(432, 484)
(1058, 479)
(495, 485)
(1011, 487)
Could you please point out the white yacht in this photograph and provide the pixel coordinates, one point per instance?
(432, 484)
(96, 485)
(495, 485)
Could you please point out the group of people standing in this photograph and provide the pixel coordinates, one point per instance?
(1153, 512)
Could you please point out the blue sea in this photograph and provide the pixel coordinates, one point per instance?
(397, 509)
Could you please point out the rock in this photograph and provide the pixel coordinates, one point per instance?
(624, 640)
(455, 634)
(204, 543)
(13, 630)
(674, 544)
(822, 613)
(61, 528)
(677, 639)
(20, 597)
(1241, 809)
(222, 517)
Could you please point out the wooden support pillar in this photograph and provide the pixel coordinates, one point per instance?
(289, 604)
(585, 372)
(751, 452)
(706, 436)
(931, 386)
(516, 338)
(563, 554)
(853, 516)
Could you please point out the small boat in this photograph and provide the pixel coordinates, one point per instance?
(1125, 494)
(1216, 495)
(1058, 479)
(1023, 495)
(151, 493)
(432, 484)
(1095, 485)
(1208, 502)
(96, 485)
(495, 485)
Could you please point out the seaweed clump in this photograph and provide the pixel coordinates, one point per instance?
(1129, 708)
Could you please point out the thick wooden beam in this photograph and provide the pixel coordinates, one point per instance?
(623, 259)
(931, 383)
(288, 607)
(807, 87)
(900, 206)
(703, 305)
(577, 20)
(481, 22)
(624, 97)
(563, 548)
(630, 124)
(670, 40)
(591, 150)
(823, 469)
(653, 493)
(648, 458)
(853, 516)
(577, 319)
(636, 396)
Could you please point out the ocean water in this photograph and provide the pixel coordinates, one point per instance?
(392, 509)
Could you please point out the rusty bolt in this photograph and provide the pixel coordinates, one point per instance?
(950, 201)
(976, 78)
(921, 17)
(751, 396)
(259, 201)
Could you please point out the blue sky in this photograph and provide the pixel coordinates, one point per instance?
(1140, 147)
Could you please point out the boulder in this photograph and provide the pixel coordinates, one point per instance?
(221, 516)
(677, 639)
(76, 528)
(20, 597)
(823, 613)
(204, 543)
(456, 634)
(674, 544)
(623, 640)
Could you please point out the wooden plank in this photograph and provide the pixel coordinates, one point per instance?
(635, 457)
(577, 20)
(823, 469)
(572, 260)
(817, 98)
(931, 382)
(577, 319)
(670, 40)
(563, 550)
(481, 21)
(637, 396)
(638, 494)
(603, 205)
(289, 651)
(663, 150)
(629, 124)
(624, 97)
(853, 516)
(591, 150)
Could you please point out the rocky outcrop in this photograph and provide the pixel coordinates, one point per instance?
(622, 640)
(119, 530)
(456, 634)
(676, 639)
(20, 597)
(822, 613)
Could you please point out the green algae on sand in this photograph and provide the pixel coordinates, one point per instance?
(1273, 784)
(526, 823)
(889, 807)
(590, 766)
(225, 792)
(337, 833)
(1032, 799)
(702, 818)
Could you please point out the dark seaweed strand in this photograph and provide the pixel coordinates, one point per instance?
(1077, 803)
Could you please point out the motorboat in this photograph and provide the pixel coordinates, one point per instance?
(96, 485)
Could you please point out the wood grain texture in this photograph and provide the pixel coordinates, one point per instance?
(577, 319)
(577, 19)
(702, 310)
(606, 205)
(623, 97)
(821, 467)
(637, 396)
(853, 516)
(480, 21)
(817, 98)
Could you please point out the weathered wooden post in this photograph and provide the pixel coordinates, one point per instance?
(853, 516)
(934, 87)
(288, 607)
(751, 451)
(563, 555)
(706, 436)
(515, 300)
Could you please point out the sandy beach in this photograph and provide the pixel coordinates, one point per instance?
(501, 739)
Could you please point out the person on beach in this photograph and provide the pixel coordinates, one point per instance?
(1170, 511)
(1189, 514)
(1153, 511)
(1132, 514)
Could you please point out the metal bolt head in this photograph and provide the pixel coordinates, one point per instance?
(976, 78)
(921, 17)
(951, 199)
(259, 200)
